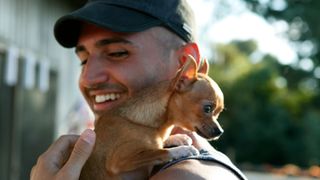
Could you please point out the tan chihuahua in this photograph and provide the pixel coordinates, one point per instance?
(131, 137)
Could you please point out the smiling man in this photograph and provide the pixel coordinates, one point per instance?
(115, 66)
(123, 47)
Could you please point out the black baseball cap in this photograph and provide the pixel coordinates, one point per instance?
(127, 16)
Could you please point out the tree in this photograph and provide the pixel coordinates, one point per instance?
(302, 17)
(266, 120)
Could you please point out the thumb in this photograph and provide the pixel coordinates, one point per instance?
(80, 153)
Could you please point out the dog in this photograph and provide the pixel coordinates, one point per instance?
(131, 138)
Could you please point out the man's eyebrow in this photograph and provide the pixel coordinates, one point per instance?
(108, 41)
(103, 42)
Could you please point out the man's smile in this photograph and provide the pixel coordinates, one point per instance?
(104, 101)
(107, 97)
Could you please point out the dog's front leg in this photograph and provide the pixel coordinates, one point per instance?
(182, 151)
(177, 140)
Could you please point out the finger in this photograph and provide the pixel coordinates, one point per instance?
(51, 161)
(32, 173)
(81, 152)
(58, 152)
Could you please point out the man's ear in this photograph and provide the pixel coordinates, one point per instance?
(191, 49)
(204, 67)
(186, 75)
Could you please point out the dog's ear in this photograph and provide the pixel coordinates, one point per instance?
(204, 67)
(186, 75)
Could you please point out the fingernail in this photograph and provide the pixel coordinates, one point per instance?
(89, 136)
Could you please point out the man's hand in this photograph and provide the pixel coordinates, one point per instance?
(65, 158)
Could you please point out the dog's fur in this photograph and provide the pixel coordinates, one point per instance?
(132, 136)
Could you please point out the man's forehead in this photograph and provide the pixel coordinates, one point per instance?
(99, 36)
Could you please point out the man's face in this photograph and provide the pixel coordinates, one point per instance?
(115, 66)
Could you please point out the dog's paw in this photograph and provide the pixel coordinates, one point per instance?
(183, 151)
(178, 140)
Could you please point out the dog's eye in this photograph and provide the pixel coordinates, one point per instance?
(208, 108)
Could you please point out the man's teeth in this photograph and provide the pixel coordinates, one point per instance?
(107, 97)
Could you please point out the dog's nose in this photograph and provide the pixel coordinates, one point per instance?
(209, 132)
(218, 131)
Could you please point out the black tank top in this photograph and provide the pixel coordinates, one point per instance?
(214, 156)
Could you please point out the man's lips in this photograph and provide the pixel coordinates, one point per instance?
(105, 101)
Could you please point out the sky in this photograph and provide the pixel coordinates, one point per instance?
(241, 24)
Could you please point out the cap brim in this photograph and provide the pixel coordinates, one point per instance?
(119, 19)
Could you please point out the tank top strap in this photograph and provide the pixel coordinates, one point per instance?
(213, 156)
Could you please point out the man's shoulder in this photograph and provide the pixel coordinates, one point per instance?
(207, 165)
(195, 169)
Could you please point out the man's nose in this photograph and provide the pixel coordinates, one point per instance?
(93, 73)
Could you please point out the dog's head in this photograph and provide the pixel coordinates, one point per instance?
(197, 100)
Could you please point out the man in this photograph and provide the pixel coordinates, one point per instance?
(124, 46)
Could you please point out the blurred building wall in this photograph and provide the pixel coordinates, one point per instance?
(38, 82)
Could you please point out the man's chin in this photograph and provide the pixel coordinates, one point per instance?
(102, 108)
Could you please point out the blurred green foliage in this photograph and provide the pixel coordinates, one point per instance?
(272, 116)
(272, 113)
(301, 15)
